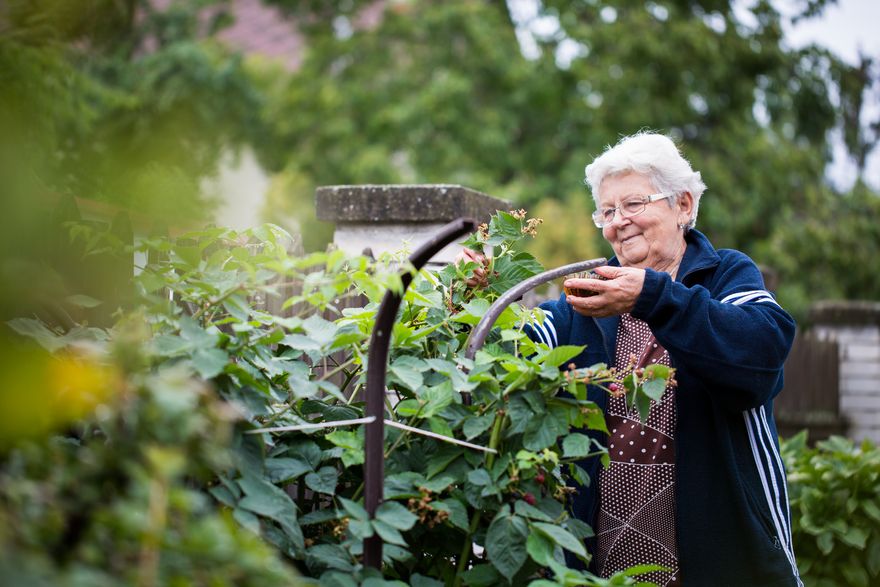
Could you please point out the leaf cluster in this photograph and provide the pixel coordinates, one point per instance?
(833, 489)
(475, 493)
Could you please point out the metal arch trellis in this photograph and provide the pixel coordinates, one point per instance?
(377, 361)
(377, 364)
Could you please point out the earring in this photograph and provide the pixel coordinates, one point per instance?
(682, 225)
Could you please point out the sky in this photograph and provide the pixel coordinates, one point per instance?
(845, 28)
(848, 28)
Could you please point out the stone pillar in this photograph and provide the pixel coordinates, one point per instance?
(388, 218)
(855, 326)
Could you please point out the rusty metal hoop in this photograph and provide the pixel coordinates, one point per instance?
(377, 365)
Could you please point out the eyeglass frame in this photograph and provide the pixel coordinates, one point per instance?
(599, 215)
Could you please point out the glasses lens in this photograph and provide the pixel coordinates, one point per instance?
(633, 206)
(599, 218)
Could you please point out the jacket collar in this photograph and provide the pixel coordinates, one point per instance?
(699, 255)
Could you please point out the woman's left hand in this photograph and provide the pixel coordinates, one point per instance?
(615, 296)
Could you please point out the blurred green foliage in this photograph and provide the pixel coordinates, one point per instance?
(441, 92)
(124, 102)
(835, 514)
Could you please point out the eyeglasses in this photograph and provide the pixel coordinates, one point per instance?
(629, 207)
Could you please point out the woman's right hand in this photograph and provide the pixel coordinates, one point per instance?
(468, 256)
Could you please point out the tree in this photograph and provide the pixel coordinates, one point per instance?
(443, 93)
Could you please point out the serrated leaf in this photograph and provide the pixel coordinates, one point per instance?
(540, 548)
(329, 556)
(476, 425)
(285, 469)
(396, 515)
(506, 543)
(320, 330)
(456, 510)
(352, 444)
(562, 537)
(559, 355)
(525, 510)
(576, 445)
(388, 533)
(324, 480)
(542, 432)
(654, 388)
(209, 362)
(409, 377)
(482, 576)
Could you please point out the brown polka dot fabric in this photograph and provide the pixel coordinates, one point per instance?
(636, 522)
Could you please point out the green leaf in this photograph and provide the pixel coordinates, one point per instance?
(479, 477)
(525, 510)
(420, 581)
(320, 330)
(506, 543)
(352, 444)
(472, 312)
(437, 398)
(440, 426)
(542, 432)
(388, 533)
(282, 470)
(855, 537)
(83, 301)
(482, 576)
(323, 481)
(559, 355)
(825, 542)
(456, 510)
(444, 456)
(396, 515)
(540, 548)
(209, 362)
(438, 484)
(267, 500)
(329, 556)
(643, 405)
(411, 378)
(476, 425)
(354, 509)
(654, 388)
(308, 452)
(576, 445)
(36, 330)
(562, 537)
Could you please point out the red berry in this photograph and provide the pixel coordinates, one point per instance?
(540, 478)
(529, 499)
(613, 387)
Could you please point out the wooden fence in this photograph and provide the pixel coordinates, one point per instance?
(810, 398)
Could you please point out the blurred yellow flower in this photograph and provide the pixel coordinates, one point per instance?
(40, 392)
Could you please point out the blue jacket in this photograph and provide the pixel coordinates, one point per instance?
(727, 339)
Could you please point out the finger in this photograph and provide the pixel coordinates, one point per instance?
(609, 272)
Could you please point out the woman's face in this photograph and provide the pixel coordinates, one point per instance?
(651, 239)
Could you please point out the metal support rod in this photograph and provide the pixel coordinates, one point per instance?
(377, 365)
(481, 331)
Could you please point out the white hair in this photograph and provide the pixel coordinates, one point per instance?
(656, 157)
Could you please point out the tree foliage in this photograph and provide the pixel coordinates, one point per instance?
(130, 103)
(443, 92)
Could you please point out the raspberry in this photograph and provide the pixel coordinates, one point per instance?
(529, 499)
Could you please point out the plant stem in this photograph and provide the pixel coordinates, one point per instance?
(466, 548)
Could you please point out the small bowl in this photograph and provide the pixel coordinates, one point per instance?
(578, 292)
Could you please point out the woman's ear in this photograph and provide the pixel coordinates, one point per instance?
(685, 208)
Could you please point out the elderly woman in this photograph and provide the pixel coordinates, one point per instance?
(700, 488)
